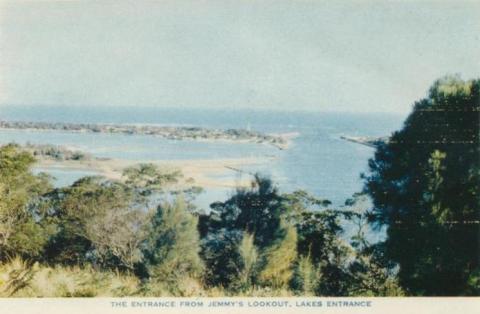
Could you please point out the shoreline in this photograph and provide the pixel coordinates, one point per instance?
(206, 173)
(280, 141)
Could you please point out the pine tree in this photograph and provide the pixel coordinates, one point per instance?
(425, 185)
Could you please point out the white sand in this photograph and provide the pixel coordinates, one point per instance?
(205, 173)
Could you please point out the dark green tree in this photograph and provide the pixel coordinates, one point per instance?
(371, 274)
(172, 247)
(425, 185)
(257, 211)
(322, 266)
(147, 178)
(23, 231)
(98, 221)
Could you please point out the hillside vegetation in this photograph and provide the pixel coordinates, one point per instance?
(131, 237)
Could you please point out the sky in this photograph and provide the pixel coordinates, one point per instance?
(360, 56)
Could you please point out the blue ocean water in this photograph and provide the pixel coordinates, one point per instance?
(318, 161)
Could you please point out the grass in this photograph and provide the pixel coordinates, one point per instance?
(18, 278)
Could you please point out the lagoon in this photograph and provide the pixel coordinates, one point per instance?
(318, 160)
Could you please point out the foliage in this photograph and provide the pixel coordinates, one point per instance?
(98, 220)
(424, 184)
(371, 276)
(250, 259)
(279, 259)
(370, 273)
(142, 236)
(220, 252)
(172, 245)
(306, 276)
(320, 244)
(147, 178)
(256, 213)
(257, 210)
(19, 278)
(22, 231)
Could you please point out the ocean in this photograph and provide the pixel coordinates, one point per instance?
(318, 161)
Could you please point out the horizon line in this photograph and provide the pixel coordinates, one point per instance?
(210, 108)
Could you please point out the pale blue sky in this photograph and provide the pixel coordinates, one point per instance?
(308, 55)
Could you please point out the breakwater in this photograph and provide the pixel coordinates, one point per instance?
(365, 140)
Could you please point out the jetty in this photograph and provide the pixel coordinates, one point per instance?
(366, 140)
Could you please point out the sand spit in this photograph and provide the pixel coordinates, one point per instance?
(169, 132)
(205, 173)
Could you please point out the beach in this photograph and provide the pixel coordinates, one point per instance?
(316, 159)
(211, 173)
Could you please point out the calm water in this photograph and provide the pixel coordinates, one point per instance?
(319, 161)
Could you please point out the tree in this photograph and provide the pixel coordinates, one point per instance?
(172, 246)
(99, 221)
(249, 262)
(22, 230)
(370, 273)
(306, 276)
(279, 259)
(147, 178)
(257, 211)
(322, 267)
(425, 185)
(221, 255)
